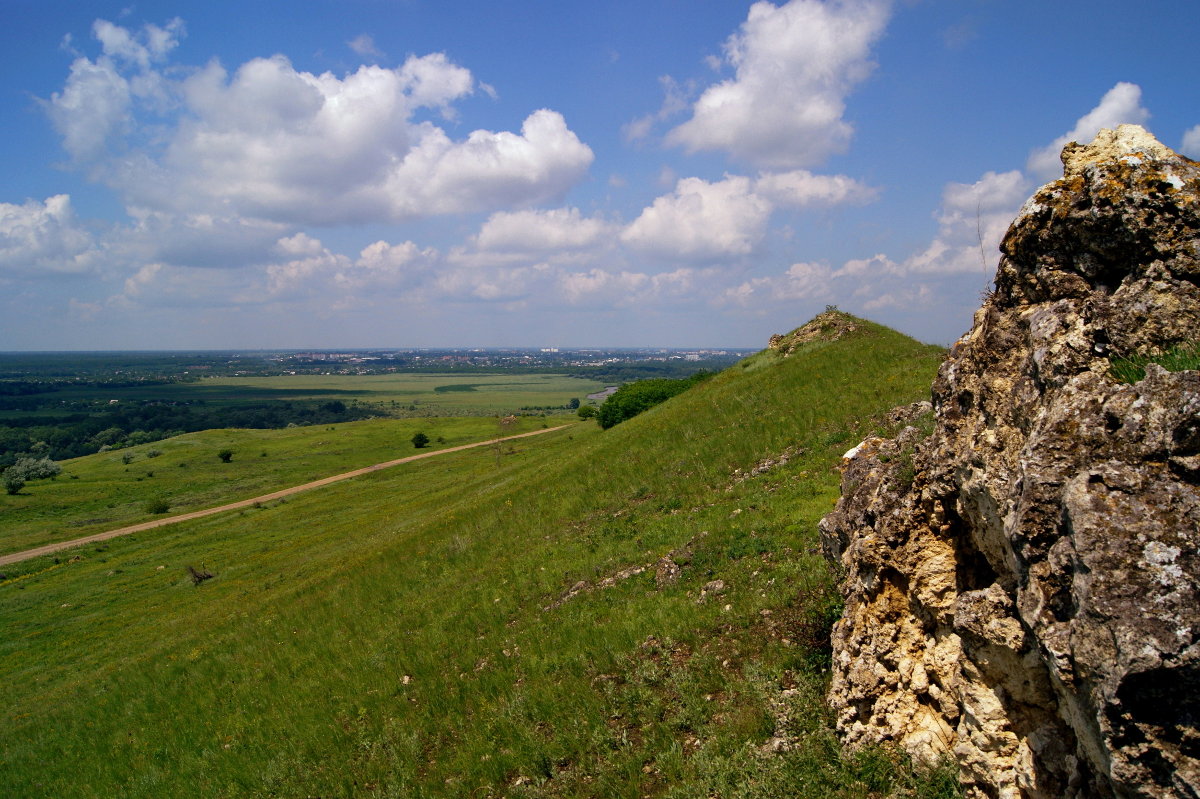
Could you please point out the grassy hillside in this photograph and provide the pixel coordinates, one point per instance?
(487, 623)
(113, 489)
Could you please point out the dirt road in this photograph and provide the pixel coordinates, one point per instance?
(245, 503)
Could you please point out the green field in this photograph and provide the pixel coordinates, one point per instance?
(395, 394)
(111, 489)
(482, 623)
(446, 394)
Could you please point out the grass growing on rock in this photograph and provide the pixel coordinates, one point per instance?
(1176, 359)
(635, 612)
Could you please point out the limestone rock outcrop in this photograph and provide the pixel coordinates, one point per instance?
(1022, 584)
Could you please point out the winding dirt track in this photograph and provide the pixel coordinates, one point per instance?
(245, 503)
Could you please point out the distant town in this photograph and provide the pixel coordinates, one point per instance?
(138, 367)
(551, 358)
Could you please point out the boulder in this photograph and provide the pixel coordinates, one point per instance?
(1021, 584)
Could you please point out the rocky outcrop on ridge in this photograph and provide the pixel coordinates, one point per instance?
(1022, 585)
(828, 326)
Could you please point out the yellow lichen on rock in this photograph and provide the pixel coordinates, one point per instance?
(1112, 145)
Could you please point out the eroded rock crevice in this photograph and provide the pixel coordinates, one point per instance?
(1021, 584)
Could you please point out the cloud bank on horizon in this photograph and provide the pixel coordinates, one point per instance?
(266, 204)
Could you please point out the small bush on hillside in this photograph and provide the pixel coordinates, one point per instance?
(226, 455)
(199, 575)
(26, 469)
(34, 468)
(158, 506)
(420, 440)
(587, 412)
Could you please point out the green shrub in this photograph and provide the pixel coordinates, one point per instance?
(34, 468)
(420, 440)
(26, 469)
(13, 482)
(157, 506)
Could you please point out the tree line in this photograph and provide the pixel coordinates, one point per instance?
(632, 398)
(125, 425)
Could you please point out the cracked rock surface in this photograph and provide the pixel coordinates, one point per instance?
(1023, 585)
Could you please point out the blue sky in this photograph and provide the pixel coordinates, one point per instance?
(401, 173)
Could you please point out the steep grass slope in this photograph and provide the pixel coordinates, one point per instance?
(635, 612)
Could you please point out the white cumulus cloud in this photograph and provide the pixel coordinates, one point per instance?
(1191, 143)
(195, 240)
(701, 220)
(384, 266)
(801, 281)
(307, 261)
(801, 189)
(534, 231)
(626, 288)
(284, 145)
(793, 65)
(971, 223)
(488, 170)
(92, 108)
(39, 239)
(95, 106)
(151, 44)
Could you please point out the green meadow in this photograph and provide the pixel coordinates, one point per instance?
(398, 394)
(115, 488)
(495, 622)
(447, 394)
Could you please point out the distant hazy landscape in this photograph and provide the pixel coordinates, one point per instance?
(79, 403)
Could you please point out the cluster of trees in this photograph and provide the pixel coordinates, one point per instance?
(126, 425)
(632, 398)
(26, 468)
(614, 373)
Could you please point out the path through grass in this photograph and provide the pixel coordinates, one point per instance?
(114, 489)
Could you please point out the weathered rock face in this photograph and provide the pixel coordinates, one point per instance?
(1023, 584)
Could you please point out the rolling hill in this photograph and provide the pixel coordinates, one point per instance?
(635, 612)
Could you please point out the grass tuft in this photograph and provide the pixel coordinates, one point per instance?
(1177, 359)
